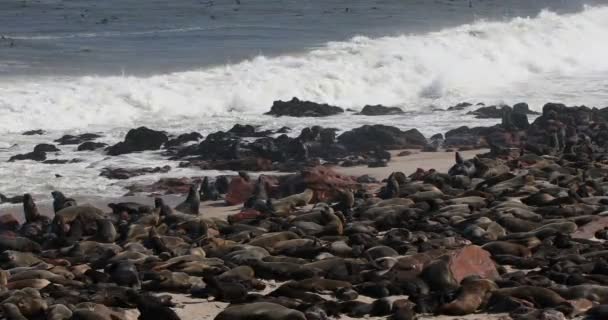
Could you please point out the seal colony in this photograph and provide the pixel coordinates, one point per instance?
(519, 230)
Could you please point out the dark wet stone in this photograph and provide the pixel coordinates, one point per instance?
(45, 147)
(121, 174)
(70, 139)
(379, 110)
(490, 112)
(34, 132)
(140, 139)
(90, 146)
(460, 106)
(298, 108)
(380, 136)
(36, 156)
(183, 138)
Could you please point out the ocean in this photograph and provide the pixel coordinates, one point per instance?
(80, 66)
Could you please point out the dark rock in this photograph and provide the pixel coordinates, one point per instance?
(523, 108)
(297, 108)
(283, 130)
(183, 138)
(15, 199)
(379, 110)
(139, 139)
(243, 131)
(36, 156)
(56, 161)
(121, 174)
(34, 132)
(460, 106)
(90, 146)
(437, 136)
(380, 136)
(45, 147)
(70, 139)
(490, 112)
(165, 186)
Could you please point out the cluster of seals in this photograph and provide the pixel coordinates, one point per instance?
(519, 233)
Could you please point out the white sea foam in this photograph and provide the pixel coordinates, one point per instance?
(548, 57)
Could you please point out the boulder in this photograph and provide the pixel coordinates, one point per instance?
(490, 112)
(90, 146)
(326, 183)
(70, 139)
(183, 138)
(460, 106)
(46, 147)
(372, 137)
(139, 139)
(15, 199)
(523, 108)
(239, 190)
(36, 156)
(243, 131)
(122, 174)
(34, 132)
(298, 108)
(379, 110)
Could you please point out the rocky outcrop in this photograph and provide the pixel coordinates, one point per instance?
(298, 108)
(372, 137)
(379, 110)
(122, 174)
(90, 146)
(78, 139)
(140, 139)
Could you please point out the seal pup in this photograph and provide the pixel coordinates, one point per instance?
(192, 203)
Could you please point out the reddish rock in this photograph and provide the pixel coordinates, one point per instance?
(326, 183)
(244, 215)
(587, 231)
(239, 191)
(8, 222)
(463, 262)
(472, 260)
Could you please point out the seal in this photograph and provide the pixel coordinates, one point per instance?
(473, 295)
(151, 307)
(12, 312)
(19, 244)
(506, 248)
(59, 312)
(192, 203)
(259, 310)
(60, 201)
(30, 209)
(208, 191)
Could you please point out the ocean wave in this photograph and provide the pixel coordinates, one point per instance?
(546, 57)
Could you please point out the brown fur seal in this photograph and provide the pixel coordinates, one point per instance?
(29, 301)
(506, 248)
(260, 311)
(12, 312)
(59, 312)
(30, 209)
(268, 240)
(541, 297)
(284, 206)
(151, 307)
(473, 295)
(60, 201)
(18, 244)
(192, 203)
